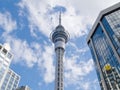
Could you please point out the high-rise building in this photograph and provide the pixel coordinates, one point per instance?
(23, 88)
(112, 77)
(11, 81)
(104, 43)
(8, 78)
(5, 60)
(59, 37)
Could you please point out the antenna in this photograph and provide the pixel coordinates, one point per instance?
(60, 18)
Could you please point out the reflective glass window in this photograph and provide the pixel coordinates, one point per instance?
(103, 49)
(0, 47)
(9, 55)
(111, 23)
(4, 51)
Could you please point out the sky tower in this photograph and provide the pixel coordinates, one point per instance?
(59, 37)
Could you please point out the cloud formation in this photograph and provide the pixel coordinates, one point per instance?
(76, 70)
(23, 52)
(79, 15)
(46, 21)
(7, 23)
(46, 63)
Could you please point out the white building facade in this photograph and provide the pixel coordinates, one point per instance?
(8, 78)
(23, 88)
(11, 81)
(5, 60)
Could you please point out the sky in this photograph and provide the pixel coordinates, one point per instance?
(26, 26)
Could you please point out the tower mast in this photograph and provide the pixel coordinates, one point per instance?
(60, 18)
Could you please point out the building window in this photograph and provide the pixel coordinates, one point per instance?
(3, 87)
(58, 74)
(62, 69)
(9, 55)
(61, 84)
(58, 69)
(4, 51)
(13, 75)
(0, 47)
(61, 74)
(61, 79)
(16, 81)
(17, 78)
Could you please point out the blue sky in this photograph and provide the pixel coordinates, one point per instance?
(26, 25)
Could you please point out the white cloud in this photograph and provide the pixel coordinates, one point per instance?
(76, 70)
(87, 85)
(46, 63)
(39, 84)
(74, 23)
(7, 23)
(23, 52)
(39, 18)
(78, 16)
(78, 50)
(92, 7)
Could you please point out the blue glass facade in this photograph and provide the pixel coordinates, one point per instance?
(104, 44)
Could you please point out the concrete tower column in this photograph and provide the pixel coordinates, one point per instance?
(59, 37)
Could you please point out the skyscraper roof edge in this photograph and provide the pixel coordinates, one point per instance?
(101, 14)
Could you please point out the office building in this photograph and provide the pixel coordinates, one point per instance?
(104, 43)
(5, 60)
(23, 88)
(112, 77)
(11, 81)
(59, 37)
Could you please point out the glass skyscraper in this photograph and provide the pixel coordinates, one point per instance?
(104, 43)
(8, 78)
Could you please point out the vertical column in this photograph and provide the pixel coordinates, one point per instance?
(99, 68)
(59, 69)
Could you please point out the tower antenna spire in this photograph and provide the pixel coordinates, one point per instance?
(60, 18)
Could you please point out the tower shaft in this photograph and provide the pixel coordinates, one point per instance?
(59, 69)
